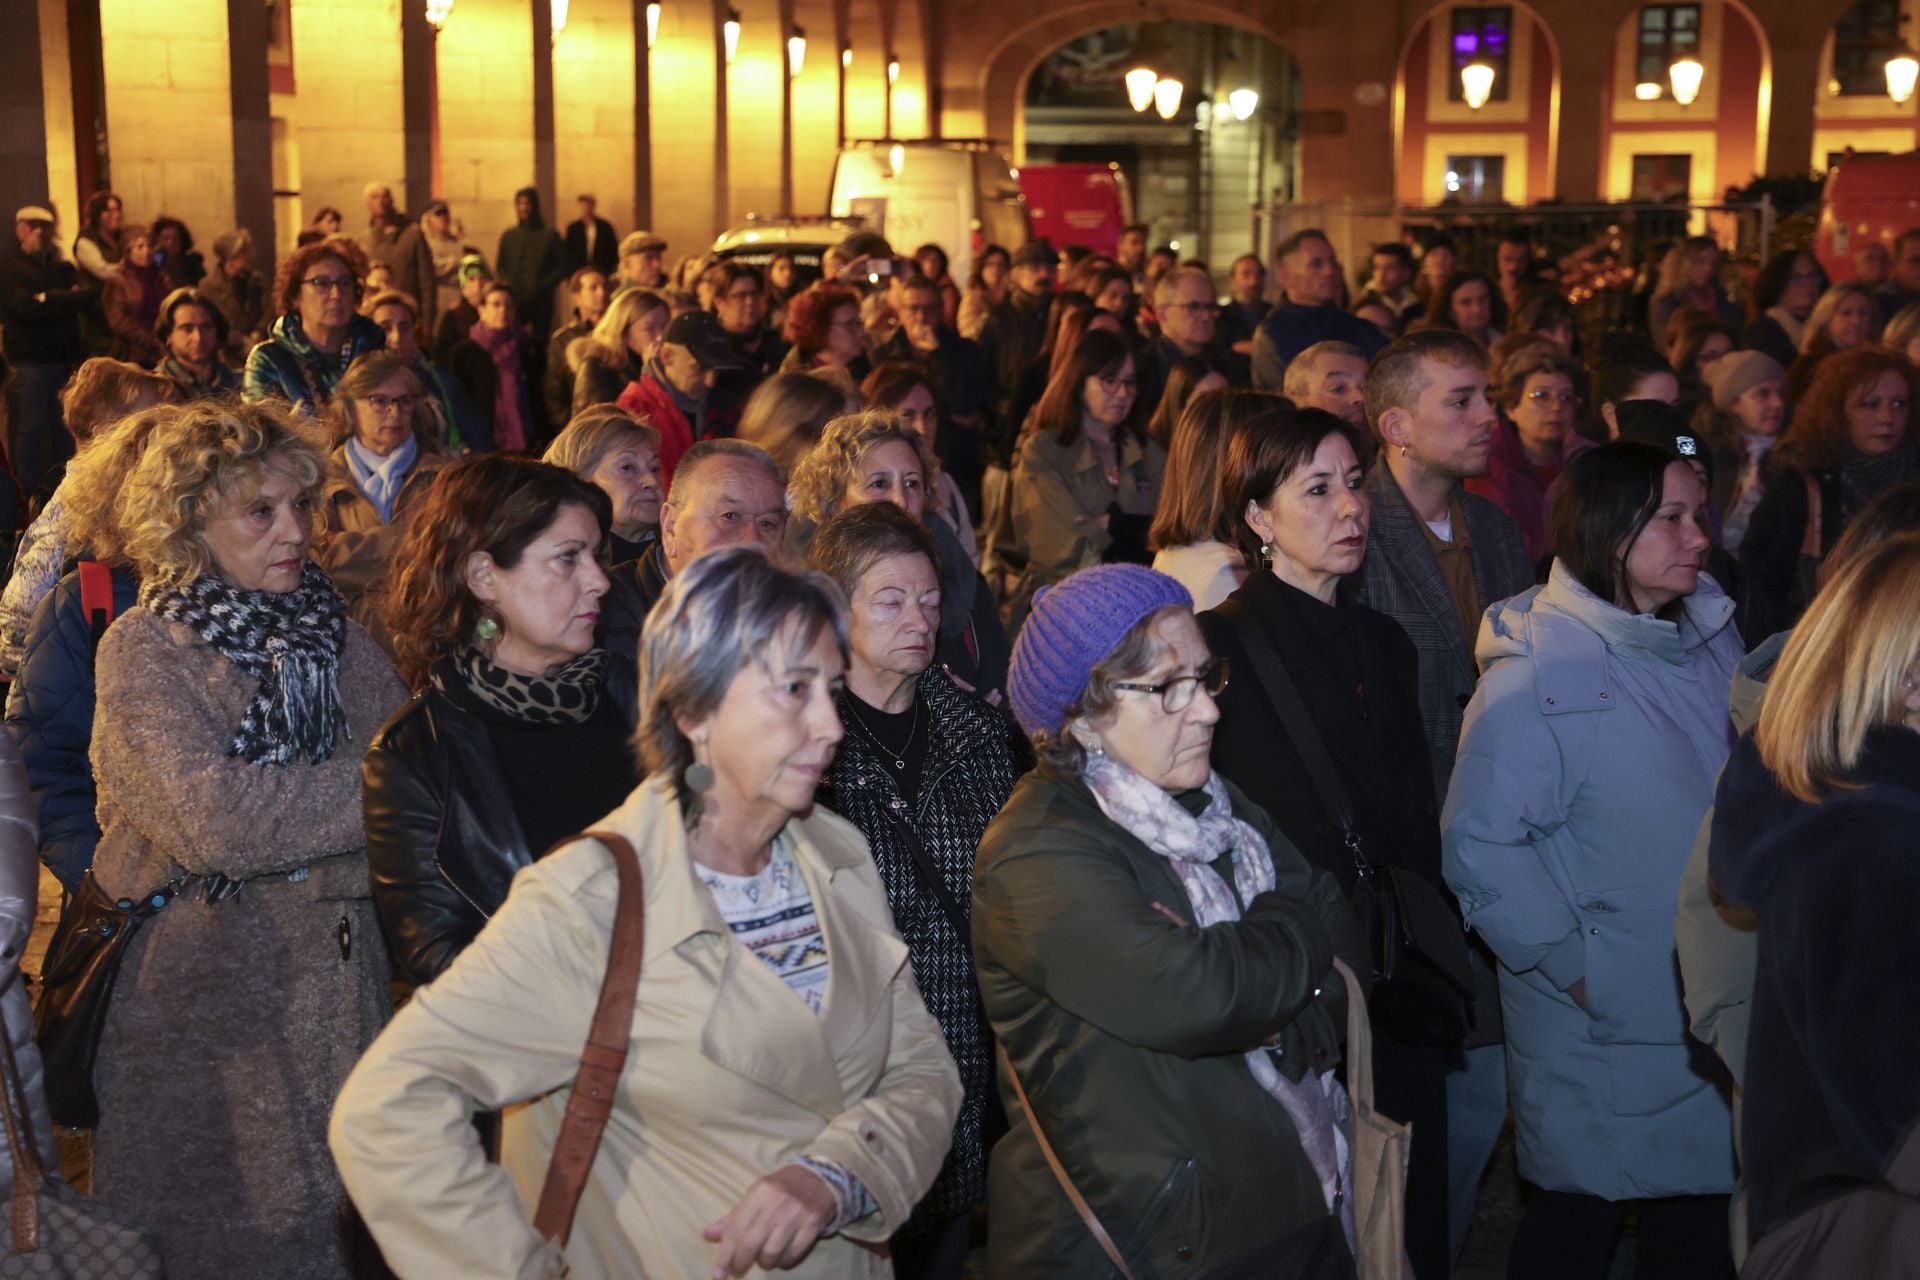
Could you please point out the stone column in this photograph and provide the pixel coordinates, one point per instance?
(252, 126)
(23, 122)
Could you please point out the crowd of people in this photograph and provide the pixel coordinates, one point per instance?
(1022, 694)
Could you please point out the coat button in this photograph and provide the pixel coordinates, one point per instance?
(1603, 696)
(1549, 701)
(1183, 1254)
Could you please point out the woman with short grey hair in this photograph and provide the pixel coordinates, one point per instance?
(786, 1099)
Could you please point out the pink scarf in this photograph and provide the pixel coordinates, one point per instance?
(510, 405)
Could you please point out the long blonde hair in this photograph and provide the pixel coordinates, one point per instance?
(1845, 671)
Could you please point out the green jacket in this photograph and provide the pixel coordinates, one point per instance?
(1129, 1033)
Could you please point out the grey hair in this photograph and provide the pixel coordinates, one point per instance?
(1295, 386)
(695, 458)
(717, 615)
(595, 432)
(1164, 287)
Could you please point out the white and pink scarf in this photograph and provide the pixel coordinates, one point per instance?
(1317, 1104)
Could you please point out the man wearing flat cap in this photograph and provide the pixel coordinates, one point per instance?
(41, 300)
(641, 261)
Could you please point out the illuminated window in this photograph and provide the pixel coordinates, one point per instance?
(1662, 179)
(1861, 42)
(1482, 33)
(1475, 179)
(1668, 33)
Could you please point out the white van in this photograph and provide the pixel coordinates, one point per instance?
(962, 196)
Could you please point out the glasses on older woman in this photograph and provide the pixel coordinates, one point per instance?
(1176, 695)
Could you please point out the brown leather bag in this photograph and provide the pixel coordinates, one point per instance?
(605, 1056)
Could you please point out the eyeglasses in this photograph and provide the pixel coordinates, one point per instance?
(1550, 397)
(1176, 695)
(1119, 386)
(1191, 307)
(329, 284)
(387, 404)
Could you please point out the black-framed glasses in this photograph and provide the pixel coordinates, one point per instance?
(1176, 695)
(329, 284)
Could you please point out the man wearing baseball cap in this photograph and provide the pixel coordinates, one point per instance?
(41, 300)
(677, 391)
(640, 261)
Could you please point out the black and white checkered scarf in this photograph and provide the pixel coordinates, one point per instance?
(289, 641)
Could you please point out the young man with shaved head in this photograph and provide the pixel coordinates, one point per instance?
(1437, 556)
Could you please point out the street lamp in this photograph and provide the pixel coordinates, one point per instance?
(653, 24)
(1476, 84)
(1243, 103)
(796, 51)
(437, 11)
(559, 17)
(1140, 82)
(846, 55)
(893, 69)
(1902, 71)
(1648, 91)
(1166, 97)
(731, 33)
(1685, 76)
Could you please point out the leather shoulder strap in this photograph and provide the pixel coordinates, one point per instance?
(1274, 681)
(1078, 1201)
(605, 1055)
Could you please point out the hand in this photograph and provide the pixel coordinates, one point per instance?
(1579, 993)
(774, 1225)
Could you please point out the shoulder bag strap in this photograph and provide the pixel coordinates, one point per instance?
(605, 1056)
(1272, 677)
(929, 876)
(96, 596)
(1078, 1201)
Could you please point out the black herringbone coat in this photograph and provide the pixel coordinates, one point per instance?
(968, 775)
(1401, 579)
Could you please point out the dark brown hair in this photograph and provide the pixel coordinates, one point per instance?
(1187, 373)
(1610, 495)
(1263, 451)
(1097, 354)
(188, 296)
(492, 503)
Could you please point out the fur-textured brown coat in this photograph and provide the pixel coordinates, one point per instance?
(233, 1024)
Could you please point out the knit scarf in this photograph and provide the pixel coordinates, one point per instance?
(289, 641)
(1317, 1104)
(510, 406)
(1864, 477)
(568, 694)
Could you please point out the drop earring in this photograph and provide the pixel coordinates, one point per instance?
(486, 630)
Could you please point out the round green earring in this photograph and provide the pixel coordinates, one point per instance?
(486, 630)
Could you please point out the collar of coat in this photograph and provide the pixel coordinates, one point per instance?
(754, 1025)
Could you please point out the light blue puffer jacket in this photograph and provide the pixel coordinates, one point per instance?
(1587, 759)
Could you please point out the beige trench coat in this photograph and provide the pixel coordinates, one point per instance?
(729, 1074)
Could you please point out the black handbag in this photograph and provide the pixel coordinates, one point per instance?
(83, 960)
(55, 1233)
(1423, 983)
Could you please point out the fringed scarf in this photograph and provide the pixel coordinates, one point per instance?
(290, 642)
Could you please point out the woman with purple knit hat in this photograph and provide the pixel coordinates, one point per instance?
(1156, 961)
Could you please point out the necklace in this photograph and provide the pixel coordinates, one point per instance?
(900, 758)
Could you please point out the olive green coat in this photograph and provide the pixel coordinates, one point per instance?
(1130, 1031)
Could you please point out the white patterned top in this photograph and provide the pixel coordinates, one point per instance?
(772, 913)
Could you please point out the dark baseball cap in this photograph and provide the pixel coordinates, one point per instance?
(1658, 423)
(701, 334)
(1036, 253)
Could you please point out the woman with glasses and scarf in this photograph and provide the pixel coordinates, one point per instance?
(1293, 483)
(386, 453)
(320, 330)
(519, 735)
(1156, 960)
(1538, 402)
(1087, 477)
(233, 705)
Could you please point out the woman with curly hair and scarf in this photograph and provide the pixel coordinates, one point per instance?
(234, 702)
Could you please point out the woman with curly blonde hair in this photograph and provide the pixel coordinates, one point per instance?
(233, 700)
(873, 456)
(520, 734)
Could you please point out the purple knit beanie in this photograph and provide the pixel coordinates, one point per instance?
(1074, 625)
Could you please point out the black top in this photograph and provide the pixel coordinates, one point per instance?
(559, 778)
(1356, 673)
(901, 736)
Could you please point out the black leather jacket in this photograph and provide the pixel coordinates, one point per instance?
(443, 840)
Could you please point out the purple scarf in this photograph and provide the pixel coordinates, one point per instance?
(510, 405)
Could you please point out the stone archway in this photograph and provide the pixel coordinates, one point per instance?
(1345, 124)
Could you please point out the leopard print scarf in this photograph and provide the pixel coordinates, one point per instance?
(567, 694)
